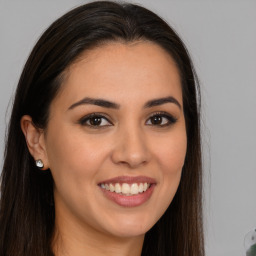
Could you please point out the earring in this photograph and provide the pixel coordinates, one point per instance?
(39, 163)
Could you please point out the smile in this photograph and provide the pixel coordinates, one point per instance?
(126, 189)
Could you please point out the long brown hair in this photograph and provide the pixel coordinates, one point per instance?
(26, 206)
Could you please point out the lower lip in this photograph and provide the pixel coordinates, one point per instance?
(129, 201)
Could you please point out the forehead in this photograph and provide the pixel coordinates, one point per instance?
(117, 70)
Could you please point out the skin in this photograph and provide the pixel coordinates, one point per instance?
(126, 143)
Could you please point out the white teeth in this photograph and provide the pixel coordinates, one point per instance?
(118, 188)
(145, 186)
(134, 189)
(126, 189)
(141, 188)
(111, 188)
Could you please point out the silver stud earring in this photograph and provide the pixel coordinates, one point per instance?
(39, 163)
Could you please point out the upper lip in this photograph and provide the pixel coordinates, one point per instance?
(129, 180)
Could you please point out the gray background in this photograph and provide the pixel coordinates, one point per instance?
(221, 37)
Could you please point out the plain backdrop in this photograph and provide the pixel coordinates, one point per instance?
(221, 37)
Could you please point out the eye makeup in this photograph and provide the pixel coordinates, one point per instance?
(95, 120)
(161, 119)
(100, 120)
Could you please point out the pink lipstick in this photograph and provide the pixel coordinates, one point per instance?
(128, 191)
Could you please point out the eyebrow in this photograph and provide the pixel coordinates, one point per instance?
(161, 101)
(109, 104)
(97, 102)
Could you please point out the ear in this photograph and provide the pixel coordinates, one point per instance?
(35, 139)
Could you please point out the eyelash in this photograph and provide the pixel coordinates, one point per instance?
(170, 118)
(83, 121)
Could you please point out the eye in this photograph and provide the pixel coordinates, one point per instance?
(95, 121)
(161, 119)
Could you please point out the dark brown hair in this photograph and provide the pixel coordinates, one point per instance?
(26, 207)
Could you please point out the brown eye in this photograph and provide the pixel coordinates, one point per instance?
(156, 120)
(161, 119)
(95, 121)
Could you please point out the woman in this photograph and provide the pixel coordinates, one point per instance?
(103, 152)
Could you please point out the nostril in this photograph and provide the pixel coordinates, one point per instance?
(130, 146)
(130, 154)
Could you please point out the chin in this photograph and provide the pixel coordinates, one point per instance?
(130, 227)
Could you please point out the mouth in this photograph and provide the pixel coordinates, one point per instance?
(125, 188)
(128, 191)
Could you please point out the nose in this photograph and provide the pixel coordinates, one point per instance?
(131, 148)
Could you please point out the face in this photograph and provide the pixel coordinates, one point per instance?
(116, 139)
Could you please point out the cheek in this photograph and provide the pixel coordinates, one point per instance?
(73, 152)
(74, 163)
(171, 156)
(171, 153)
